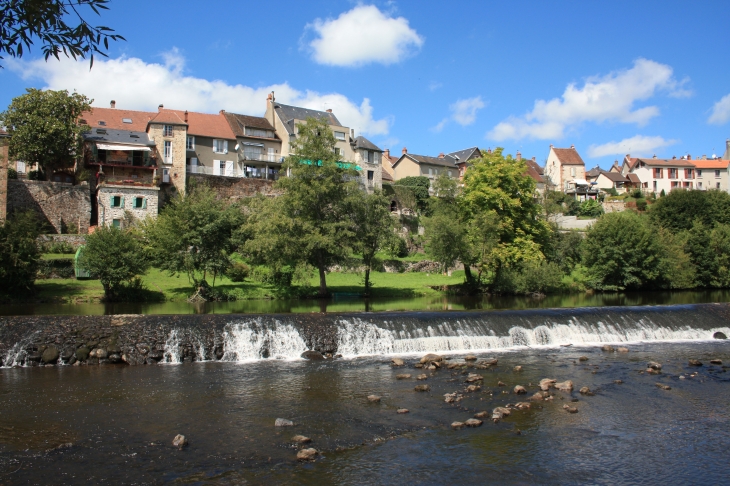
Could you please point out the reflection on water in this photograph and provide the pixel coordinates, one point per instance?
(354, 304)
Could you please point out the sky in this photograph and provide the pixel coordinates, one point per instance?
(611, 78)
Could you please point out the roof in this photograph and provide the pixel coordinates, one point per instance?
(594, 172)
(613, 176)
(630, 161)
(168, 117)
(238, 123)
(387, 177)
(98, 134)
(666, 163)
(633, 178)
(3, 133)
(534, 173)
(363, 143)
(288, 114)
(711, 164)
(466, 154)
(113, 118)
(568, 156)
(446, 161)
(531, 164)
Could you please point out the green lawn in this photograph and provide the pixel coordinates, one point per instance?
(177, 288)
(57, 256)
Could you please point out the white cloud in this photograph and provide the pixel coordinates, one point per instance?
(639, 145)
(609, 98)
(361, 36)
(463, 112)
(137, 85)
(434, 85)
(720, 111)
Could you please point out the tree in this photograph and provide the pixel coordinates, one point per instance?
(445, 236)
(193, 235)
(19, 253)
(23, 22)
(373, 228)
(115, 257)
(44, 128)
(621, 251)
(419, 186)
(680, 209)
(312, 221)
(498, 185)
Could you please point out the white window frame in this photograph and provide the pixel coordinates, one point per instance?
(220, 146)
(717, 172)
(168, 130)
(20, 167)
(340, 135)
(167, 154)
(190, 142)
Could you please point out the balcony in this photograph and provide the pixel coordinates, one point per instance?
(260, 157)
(257, 174)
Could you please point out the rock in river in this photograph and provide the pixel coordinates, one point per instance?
(583, 358)
(300, 439)
(373, 399)
(403, 376)
(546, 384)
(517, 368)
(520, 390)
(402, 410)
(607, 348)
(472, 422)
(312, 355)
(307, 454)
(586, 391)
(422, 377)
(719, 335)
(473, 388)
(280, 422)
(470, 357)
(431, 358)
(82, 353)
(422, 388)
(474, 377)
(457, 425)
(570, 409)
(654, 365)
(481, 415)
(695, 362)
(716, 361)
(663, 387)
(50, 355)
(565, 386)
(179, 441)
(397, 362)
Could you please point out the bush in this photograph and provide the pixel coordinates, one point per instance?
(590, 208)
(35, 175)
(57, 268)
(238, 272)
(637, 194)
(572, 207)
(641, 204)
(12, 173)
(19, 252)
(281, 277)
(612, 191)
(534, 277)
(398, 248)
(61, 247)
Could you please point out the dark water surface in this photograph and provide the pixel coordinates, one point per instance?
(349, 303)
(120, 422)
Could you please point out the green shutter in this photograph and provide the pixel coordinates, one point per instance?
(121, 205)
(111, 201)
(144, 203)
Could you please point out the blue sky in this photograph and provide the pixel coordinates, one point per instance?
(611, 78)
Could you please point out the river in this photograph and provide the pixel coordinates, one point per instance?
(114, 424)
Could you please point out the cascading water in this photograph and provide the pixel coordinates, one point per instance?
(252, 340)
(174, 346)
(16, 355)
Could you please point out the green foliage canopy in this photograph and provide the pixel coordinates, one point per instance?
(680, 209)
(19, 253)
(44, 128)
(373, 228)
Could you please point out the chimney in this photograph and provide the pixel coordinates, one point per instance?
(533, 158)
(689, 157)
(186, 116)
(572, 146)
(159, 108)
(268, 98)
(704, 157)
(674, 157)
(222, 112)
(654, 157)
(329, 110)
(441, 155)
(387, 153)
(551, 146)
(113, 104)
(352, 133)
(489, 150)
(519, 155)
(405, 150)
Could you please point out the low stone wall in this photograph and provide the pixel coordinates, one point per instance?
(234, 188)
(74, 240)
(59, 204)
(613, 206)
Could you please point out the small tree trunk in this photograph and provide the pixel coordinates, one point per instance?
(468, 275)
(322, 282)
(367, 281)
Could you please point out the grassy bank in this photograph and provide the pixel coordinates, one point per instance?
(176, 288)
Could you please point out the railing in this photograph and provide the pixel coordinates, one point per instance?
(259, 174)
(273, 158)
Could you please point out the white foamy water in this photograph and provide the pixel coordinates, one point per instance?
(361, 338)
(247, 341)
(17, 354)
(173, 352)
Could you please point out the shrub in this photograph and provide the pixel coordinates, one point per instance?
(19, 252)
(238, 272)
(280, 277)
(641, 204)
(637, 194)
(534, 277)
(590, 208)
(12, 173)
(61, 247)
(58, 268)
(398, 248)
(35, 175)
(612, 191)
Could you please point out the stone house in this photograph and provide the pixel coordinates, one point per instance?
(462, 158)
(257, 146)
(566, 172)
(535, 172)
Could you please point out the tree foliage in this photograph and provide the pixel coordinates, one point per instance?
(115, 257)
(680, 209)
(373, 229)
(419, 186)
(44, 128)
(622, 252)
(24, 22)
(193, 235)
(312, 221)
(19, 253)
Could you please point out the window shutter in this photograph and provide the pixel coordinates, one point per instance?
(216, 167)
(122, 203)
(144, 203)
(111, 201)
(225, 146)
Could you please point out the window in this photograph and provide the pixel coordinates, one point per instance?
(340, 135)
(168, 152)
(673, 173)
(126, 120)
(190, 143)
(220, 146)
(699, 172)
(572, 172)
(258, 132)
(140, 203)
(717, 185)
(117, 223)
(20, 167)
(450, 174)
(253, 152)
(371, 175)
(167, 131)
(371, 156)
(658, 173)
(117, 202)
(688, 174)
(717, 174)
(272, 154)
(654, 186)
(102, 123)
(338, 152)
(699, 185)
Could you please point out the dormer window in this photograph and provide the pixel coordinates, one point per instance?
(101, 131)
(126, 120)
(167, 131)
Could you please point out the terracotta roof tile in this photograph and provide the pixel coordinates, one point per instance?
(387, 176)
(666, 162)
(535, 166)
(711, 164)
(613, 176)
(207, 125)
(169, 117)
(534, 174)
(113, 118)
(237, 123)
(634, 178)
(568, 156)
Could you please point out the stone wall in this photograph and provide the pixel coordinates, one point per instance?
(107, 213)
(59, 204)
(613, 206)
(234, 188)
(3, 177)
(74, 240)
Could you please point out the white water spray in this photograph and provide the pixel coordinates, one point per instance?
(247, 341)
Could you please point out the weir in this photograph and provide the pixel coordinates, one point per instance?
(138, 339)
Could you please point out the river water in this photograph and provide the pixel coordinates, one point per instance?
(114, 424)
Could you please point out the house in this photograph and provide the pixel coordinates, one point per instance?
(657, 175)
(711, 174)
(462, 158)
(566, 172)
(387, 162)
(362, 152)
(593, 174)
(608, 180)
(413, 165)
(257, 146)
(535, 172)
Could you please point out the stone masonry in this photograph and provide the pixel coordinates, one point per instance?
(127, 196)
(59, 204)
(234, 188)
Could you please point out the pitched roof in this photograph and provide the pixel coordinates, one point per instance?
(168, 117)
(633, 178)
(665, 162)
(288, 114)
(363, 143)
(613, 176)
(594, 172)
(568, 156)
(630, 161)
(238, 123)
(446, 161)
(711, 164)
(113, 118)
(534, 174)
(99, 134)
(466, 154)
(534, 166)
(387, 177)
